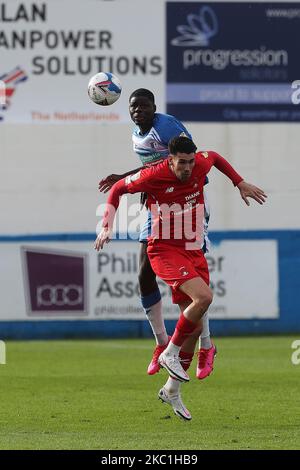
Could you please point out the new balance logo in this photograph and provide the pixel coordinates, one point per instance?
(170, 190)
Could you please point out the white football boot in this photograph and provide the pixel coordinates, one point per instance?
(172, 364)
(176, 402)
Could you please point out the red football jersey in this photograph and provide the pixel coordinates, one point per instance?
(177, 207)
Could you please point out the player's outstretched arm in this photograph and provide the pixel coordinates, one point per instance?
(106, 183)
(249, 190)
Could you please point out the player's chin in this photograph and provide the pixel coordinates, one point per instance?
(139, 121)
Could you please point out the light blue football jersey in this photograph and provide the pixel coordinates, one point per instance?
(153, 145)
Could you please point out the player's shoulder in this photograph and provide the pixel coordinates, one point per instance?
(154, 168)
(160, 167)
(159, 172)
(167, 126)
(163, 118)
(166, 121)
(204, 154)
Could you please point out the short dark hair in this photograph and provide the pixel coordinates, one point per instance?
(143, 92)
(181, 144)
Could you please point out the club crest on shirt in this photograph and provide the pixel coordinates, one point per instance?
(183, 271)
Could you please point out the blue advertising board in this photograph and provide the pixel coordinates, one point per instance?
(232, 61)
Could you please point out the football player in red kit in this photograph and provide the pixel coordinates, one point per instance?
(175, 198)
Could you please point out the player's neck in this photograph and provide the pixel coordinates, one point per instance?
(172, 170)
(145, 128)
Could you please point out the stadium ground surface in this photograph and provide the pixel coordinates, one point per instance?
(96, 395)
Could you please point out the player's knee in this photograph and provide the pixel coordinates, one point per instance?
(204, 300)
(207, 299)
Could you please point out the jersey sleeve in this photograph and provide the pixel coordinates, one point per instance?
(224, 166)
(139, 182)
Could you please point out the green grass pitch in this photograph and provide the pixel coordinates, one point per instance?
(97, 395)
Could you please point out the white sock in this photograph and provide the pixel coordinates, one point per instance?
(172, 386)
(172, 349)
(155, 318)
(204, 340)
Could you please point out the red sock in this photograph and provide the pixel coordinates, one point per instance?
(186, 359)
(184, 328)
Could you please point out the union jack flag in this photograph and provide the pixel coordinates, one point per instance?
(11, 80)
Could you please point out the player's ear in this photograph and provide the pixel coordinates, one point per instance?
(154, 107)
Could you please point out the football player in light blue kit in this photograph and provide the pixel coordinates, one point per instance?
(150, 142)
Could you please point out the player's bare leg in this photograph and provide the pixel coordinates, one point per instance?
(201, 297)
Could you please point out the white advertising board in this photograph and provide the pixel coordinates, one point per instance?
(50, 49)
(69, 280)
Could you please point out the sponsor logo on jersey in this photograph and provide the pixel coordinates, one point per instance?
(130, 178)
(192, 202)
(191, 196)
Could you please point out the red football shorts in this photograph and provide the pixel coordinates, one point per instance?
(175, 265)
